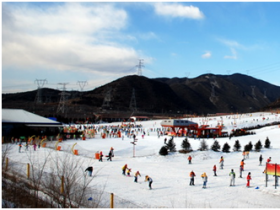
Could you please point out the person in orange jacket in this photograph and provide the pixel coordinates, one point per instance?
(192, 175)
(248, 179)
(190, 159)
(242, 164)
(222, 162)
(215, 169)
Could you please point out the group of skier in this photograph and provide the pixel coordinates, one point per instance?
(126, 172)
(109, 156)
(231, 174)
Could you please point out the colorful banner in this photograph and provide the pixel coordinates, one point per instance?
(270, 169)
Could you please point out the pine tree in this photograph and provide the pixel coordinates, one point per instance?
(163, 151)
(258, 146)
(171, 146)
(236, 146)
(226, 147)
(250, 146)
(247, 148)
(216, 146)
(203, 145)
(267, 143)
(186, 144)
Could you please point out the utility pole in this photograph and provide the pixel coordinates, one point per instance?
(40, 84)
(132, 104)
(63, 97)
(140, 65)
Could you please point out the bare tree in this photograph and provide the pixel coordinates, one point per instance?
(6, 149)
(75, 182)
(38, 164)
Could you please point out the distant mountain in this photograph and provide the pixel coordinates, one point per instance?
(205, 94)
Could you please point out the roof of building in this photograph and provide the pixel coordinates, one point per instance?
(21, 116)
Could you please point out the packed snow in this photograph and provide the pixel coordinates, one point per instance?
(170, 174)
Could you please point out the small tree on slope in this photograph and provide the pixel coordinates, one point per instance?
(171, 146)
(267, 143)
(216, 146)
(203, 145)
(186, 144)
(163, 151)
(236, 146)
(226, 147)
(258, 146)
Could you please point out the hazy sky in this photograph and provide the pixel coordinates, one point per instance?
(101, 42)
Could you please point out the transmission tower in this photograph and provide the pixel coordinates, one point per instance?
(40, 83)
(63, 97)
(132, 105)
(82, 84)
(140, 65)
(264, 94)
(107, 99)
(187, 77)
(253, 91)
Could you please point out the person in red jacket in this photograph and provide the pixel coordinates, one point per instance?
(215, 169)
(192, 175)
(248, 179)
(190, 159)
(268, 160)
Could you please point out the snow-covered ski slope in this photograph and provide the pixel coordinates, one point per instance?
(170, 173)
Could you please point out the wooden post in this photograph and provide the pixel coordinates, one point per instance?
(28, 171)
(275, 175)
(112, 201)
(62, 185)
(7, 163)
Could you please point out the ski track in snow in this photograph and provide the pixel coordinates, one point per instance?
(170, 173)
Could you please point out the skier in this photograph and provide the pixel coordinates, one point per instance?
(248, 179)
(222, 162)
(111, 154)
(128, 170)
(190, 159)
(100, 156)
(204, 178)
(124, 169)
(268, 160)
(19, 149)
(240, 171)
(244, 154)
(215, 169)
(192, 175)
(136, 176)
(232, 177)
(247, 154)
(89, 169)
(26, 146)
(242, 164)
(260, 159)
(34, 146)
(149, 179)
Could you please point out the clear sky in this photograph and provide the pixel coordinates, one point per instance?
(101, 42)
